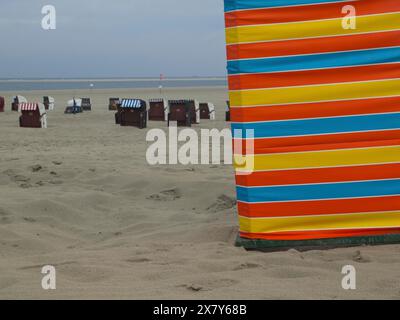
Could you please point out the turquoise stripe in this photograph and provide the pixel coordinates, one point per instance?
(315, 61)
(320, 191)
(231, 5)
(272, 129)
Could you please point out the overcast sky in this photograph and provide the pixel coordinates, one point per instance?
(120, 38)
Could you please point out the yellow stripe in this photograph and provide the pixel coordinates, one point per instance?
(358, 90)
(345, 221)
(310, 29)
(319, 159)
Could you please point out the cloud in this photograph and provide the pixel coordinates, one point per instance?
(96, 38)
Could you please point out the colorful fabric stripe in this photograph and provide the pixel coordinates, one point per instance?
(231, 5)
(316, 93)
(319, 104)
(317, 61)
(327, 10)
(311, 29)
(313, 45)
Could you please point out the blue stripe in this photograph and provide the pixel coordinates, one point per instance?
(315, 61)
(131, 103)
(320, 191)
(231, 5)
(318, 126)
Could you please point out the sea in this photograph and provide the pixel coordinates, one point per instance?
(76, 84)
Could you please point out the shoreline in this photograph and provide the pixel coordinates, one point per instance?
(112, 80)
(110, 90)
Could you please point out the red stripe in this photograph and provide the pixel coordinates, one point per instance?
(318, 207)
(314, 77)
(307, 12)
(313, 46)
(315, 110)
(320, 175)
(328, 234)
(262, 146)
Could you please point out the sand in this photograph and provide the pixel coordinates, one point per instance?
(80, 196)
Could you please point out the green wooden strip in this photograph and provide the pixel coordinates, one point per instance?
(281, 245)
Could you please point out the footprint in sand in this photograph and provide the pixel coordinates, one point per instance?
(291, 273)
(166, 195)
(223, 202)
(4, 216)
(247, 265)
(208, 285)
(15, 177)
(7, 282)
(360, 258)
(36, 168)
(25, 185)
(138, 260)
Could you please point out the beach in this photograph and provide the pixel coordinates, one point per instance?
(81, 197)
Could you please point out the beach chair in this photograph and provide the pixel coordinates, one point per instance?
(180, 112)
(158, 110)
(74, 106)
(16, 101)
(113, 104)
(48, 103)
(194, 110)
(2, 104)
(118, 114)
(133, 112)
(33, 115)
(86, 104)
(228, 112)
(207, 111)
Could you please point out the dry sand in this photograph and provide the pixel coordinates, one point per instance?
(80, 196)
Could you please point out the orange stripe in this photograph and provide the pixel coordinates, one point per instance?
(328, 234)
(311, 77)
(318, 207)
(315, 110)
(262, 146)
(313, 46)
(320, 175)
(304, 13)
(319, 147)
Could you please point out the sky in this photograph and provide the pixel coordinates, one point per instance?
(106, 38)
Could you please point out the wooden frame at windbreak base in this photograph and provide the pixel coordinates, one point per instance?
(306, 245)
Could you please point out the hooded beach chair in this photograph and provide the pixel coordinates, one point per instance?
(315, 101)
(33, 115)
(207, 111)
(86, 104)
(180, 111)
(74, 106)
(16, 101)
(133, 112)
(228, 112)
(48, 102)
(2, 103)
(158, 110)
(113, 104)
